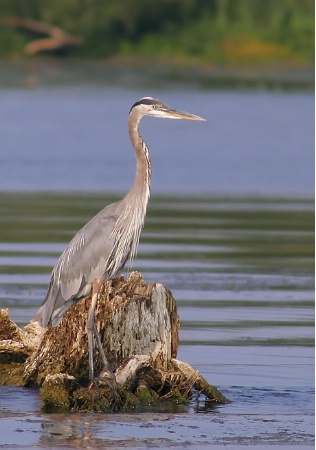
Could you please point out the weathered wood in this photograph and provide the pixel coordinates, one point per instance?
(132, 318)
(17, 345)
(139, 327)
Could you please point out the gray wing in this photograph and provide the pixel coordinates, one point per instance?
(82, 261)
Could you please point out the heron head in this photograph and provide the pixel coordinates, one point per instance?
(149, 106)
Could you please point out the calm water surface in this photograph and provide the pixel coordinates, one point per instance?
(233, 240)
(70, 138)
(242, 274)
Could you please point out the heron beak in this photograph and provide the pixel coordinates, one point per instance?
(176, 114)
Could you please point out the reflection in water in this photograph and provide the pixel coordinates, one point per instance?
(241, 271)
(241, 267)
(240, 276)
(60, 430)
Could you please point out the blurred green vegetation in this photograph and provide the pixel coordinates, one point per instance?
(204, 31)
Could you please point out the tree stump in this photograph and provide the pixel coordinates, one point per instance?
(139, 329)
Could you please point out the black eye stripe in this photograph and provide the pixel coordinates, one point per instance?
(145, 101)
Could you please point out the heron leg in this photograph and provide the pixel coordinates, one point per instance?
(91, 328)
(106, 364)
(93, 331)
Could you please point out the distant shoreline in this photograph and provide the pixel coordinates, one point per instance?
(131, 71)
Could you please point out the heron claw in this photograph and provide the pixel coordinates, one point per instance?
(93, 383)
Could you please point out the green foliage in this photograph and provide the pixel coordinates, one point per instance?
(208, 30)
(11, 43)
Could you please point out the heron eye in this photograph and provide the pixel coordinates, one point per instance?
(155, 106)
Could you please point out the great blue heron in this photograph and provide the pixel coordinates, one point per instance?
(101, 248)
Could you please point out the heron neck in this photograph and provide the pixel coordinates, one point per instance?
(141, 186)
(132, 209)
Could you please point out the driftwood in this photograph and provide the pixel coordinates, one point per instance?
(57, 37)
(138, 325)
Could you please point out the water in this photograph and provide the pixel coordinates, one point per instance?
(70, 138)
(230, 230)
